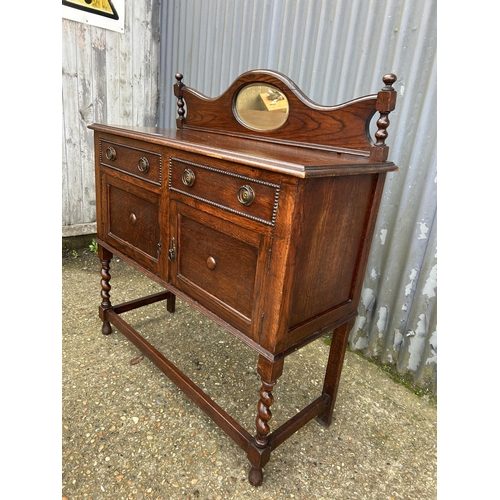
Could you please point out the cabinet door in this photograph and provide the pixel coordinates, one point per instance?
(217, 263)
(131, 221)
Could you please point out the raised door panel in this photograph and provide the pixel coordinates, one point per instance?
(131, 221)
(336, 213)
(216, 263)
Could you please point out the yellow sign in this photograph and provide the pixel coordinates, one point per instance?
(107, 14)
(100, 7)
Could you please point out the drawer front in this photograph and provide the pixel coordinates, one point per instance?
(251, 198)
(136, 162)
(132, 222)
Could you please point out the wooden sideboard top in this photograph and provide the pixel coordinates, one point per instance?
(287, 159)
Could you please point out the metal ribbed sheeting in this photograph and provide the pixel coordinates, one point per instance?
(336, 51)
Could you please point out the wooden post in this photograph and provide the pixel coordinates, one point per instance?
(334, 369)
(386, 102)
(105, 256)
(180, 100)
(259, 450)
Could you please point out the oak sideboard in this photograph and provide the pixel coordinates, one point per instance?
(258, 210)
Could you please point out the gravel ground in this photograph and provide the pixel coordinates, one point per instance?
(130, 433)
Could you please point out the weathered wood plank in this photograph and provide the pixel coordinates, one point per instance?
(107, 77)
(71, 131)
(86, 113)
(112, 70)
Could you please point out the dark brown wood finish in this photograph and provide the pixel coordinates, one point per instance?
(308, 123)
(266, 233)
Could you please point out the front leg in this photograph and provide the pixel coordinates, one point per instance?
(105, 256)
(259, 450)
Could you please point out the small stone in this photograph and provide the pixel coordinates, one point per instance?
(136, 360)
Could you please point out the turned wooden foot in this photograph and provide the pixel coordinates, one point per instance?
(105, 257)
(255, 476)
(106, 328)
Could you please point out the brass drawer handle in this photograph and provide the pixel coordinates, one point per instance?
(110, 153)
(172, 251)
(188, 177)
(132, 218)
(246, 195)
(143, 165)
(211, 263)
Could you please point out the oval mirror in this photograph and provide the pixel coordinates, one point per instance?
(261, 106)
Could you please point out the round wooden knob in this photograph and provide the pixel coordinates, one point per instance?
(211, 263)
(132, 218)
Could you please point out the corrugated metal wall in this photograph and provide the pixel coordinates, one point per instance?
(334, 51)
(107, 77)
(337, 50)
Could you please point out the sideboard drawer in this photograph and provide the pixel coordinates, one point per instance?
(240, 194)
(131, 221)
(134, 161)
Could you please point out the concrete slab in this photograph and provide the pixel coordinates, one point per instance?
(129, 433)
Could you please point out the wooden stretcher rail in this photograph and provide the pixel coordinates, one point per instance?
(143, 301)
(233, 429)
(292, 425)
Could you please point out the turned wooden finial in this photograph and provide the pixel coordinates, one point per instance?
(386, 102)
(389, 80)
(180, 100)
